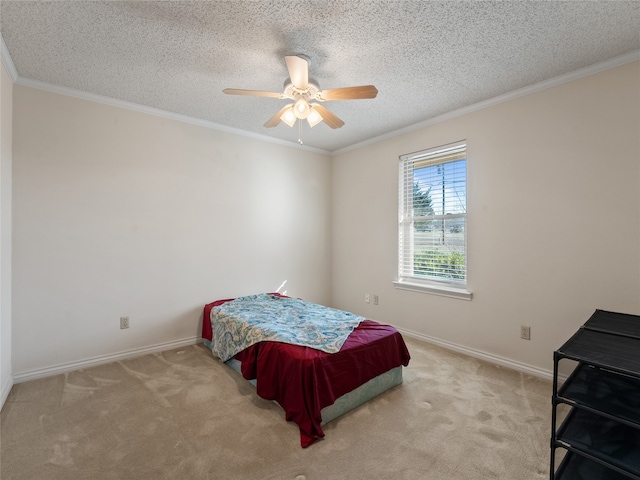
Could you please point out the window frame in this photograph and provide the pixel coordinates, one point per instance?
(407, 165)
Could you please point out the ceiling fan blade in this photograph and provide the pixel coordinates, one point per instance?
(275, 120)
(298, 71)
(349, 93)
(327, 117)
(253, 93)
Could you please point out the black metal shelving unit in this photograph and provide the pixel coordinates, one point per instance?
(601, 432)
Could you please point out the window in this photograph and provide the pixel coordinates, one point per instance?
(432, 229)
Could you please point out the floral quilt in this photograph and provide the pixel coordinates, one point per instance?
(245, 321)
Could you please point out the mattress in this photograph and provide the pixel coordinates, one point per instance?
(306, 381)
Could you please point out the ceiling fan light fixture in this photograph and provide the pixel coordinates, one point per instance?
(314, 117)
(301, 108)
(289, 117)
(301, 92)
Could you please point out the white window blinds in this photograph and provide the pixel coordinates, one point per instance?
(432, 216)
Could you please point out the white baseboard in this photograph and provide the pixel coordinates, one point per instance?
(6, 389)
(101, 360)
(489, 357)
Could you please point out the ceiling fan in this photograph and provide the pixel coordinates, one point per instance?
(305, 96)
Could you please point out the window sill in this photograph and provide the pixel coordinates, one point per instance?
(446, 291)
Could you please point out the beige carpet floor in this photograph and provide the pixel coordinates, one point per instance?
(181, 414)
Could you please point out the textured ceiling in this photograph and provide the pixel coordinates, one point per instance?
(426, 58)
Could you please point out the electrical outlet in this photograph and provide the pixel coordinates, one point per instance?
(375, 299)
(525, 332)
(124, 322)
(366, 298)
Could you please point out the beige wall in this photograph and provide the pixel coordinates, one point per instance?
(6, 112)
(120, 213)
(553, 220)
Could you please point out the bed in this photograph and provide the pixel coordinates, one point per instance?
(312, 385)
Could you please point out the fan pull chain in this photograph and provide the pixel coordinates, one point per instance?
(300, 131)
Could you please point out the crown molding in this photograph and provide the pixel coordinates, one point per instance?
(552, 82)
(7, 61)
(94, 97)
(521, 92)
